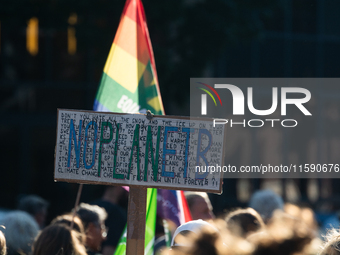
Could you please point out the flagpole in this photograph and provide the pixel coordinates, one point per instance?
(80, 188)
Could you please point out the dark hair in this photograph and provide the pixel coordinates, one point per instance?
(198, 244)
(244, 221)
(58, 239)
(184, 233)
(91, 214)
(206, 244)
(32, 204)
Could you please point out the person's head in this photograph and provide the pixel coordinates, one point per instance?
(265, 202)
(35, 206)
(20, 231)
(200, 238)
(67, 220)
(303, 213)
(117, 195)
(243, 222)
(3, 247)
(201, 243)
(332, 243)
(93, 218)
(58, 239)
(193, 227)
(199, 205)
(332, 249)
(283, 235)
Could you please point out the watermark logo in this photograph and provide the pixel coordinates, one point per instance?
(204, 97)
(238, 99)
(302, 96)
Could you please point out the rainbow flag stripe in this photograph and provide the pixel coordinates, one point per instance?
(129, 82)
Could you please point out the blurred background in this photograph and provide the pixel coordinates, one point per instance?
(52, 53)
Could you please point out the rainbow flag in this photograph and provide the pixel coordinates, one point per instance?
(129, 82)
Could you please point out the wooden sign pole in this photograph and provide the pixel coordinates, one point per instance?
(105, 148)
(136, 221)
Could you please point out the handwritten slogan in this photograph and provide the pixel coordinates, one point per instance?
(130, 149)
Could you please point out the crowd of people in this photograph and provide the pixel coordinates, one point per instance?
(268, 226)
(81, 231)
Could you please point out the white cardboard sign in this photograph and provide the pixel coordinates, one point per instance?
(111, 148)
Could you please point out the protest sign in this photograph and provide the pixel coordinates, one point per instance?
(130, 149)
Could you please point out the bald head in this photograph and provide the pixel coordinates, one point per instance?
(199, 206)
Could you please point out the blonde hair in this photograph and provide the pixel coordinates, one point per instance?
(3, 248)
(332, 243)
(212, 242)
(284, 235)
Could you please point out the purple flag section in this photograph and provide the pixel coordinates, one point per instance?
(168, 207)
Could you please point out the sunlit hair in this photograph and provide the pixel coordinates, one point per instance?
(3, 248)
(58, 239)
(212, 242)
(91, 214)
(284, 235)
(243, 222)
(67, 220)
(304, 213)
(332, 243)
